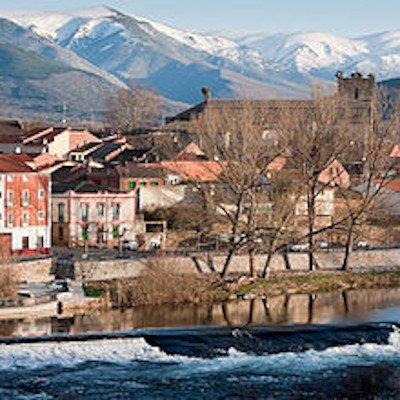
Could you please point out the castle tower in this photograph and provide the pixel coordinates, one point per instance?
(358, 95)
(356, 88)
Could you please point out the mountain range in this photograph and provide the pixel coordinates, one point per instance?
(53, 61)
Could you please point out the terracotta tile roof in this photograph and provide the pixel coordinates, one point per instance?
(277, 164)
(393, 184)
(46, 159)
(190, 153)
(14, 163)
(200, 171)
(395, 151)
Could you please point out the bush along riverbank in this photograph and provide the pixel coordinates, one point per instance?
(160, 287)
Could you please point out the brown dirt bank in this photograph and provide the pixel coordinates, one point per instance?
(160, 287)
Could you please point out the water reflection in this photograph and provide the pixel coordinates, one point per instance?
(335, 307)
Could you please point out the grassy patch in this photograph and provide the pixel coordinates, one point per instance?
(93, 292)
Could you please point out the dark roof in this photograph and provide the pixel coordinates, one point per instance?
(105, 150)
(48, 136)
(34, 131)
(128, 156)
(135, 170)
(235, 104)
(86, 147)
(62, 173)
(10, 138)
(81, 186)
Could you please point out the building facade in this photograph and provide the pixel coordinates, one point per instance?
(96, 218)
(25, 208)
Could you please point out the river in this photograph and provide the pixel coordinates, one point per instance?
(326, 345)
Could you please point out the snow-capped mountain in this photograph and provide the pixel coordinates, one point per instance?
(320, 55)
(177, 62)
(120, 48)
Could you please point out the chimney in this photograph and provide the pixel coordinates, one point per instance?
(206, 93)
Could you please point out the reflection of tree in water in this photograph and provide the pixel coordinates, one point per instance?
(308, 308)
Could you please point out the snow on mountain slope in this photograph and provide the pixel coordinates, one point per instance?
(28, 39)
(130, 47)
(101, 22)
(321, 54)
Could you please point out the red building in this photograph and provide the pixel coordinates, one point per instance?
(25, 206)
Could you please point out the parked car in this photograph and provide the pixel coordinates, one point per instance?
(362, 244)
(129, 244)
(298, 247)
(322, 244)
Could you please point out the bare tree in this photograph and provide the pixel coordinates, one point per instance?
(376, 137)
(234, 137)
(132, 110)
(278, 229)
(315, 134)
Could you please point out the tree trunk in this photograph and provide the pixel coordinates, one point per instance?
(349, 247)
(271, 252)
(252, 270)
(227, 262)
(311, 223)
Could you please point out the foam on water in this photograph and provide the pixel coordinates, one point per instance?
(69, 354)
(119, 351)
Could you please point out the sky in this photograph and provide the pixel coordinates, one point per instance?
(342, 17)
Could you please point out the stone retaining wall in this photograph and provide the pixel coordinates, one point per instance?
(32, 271)
(119, 269)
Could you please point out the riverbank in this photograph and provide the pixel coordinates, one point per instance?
(158, 287)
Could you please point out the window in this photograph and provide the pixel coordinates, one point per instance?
(356, 93)
(61, 211)
(85, 233)
(100, 209)
(40, 242)
(132, 185)
(116, 212)
(9, 178)
(40, 215)
(25, 218)
(154, 183)
(25, 242)
(60, 233)
(115, 231)
(85, 212)
(25, 178)
(142, 184)
(10, 219)
(41, 194)
(25, 198)
(10, 198)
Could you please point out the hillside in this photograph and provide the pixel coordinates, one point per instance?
(19, 64)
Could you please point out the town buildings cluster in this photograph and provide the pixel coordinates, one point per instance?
(71, 187)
